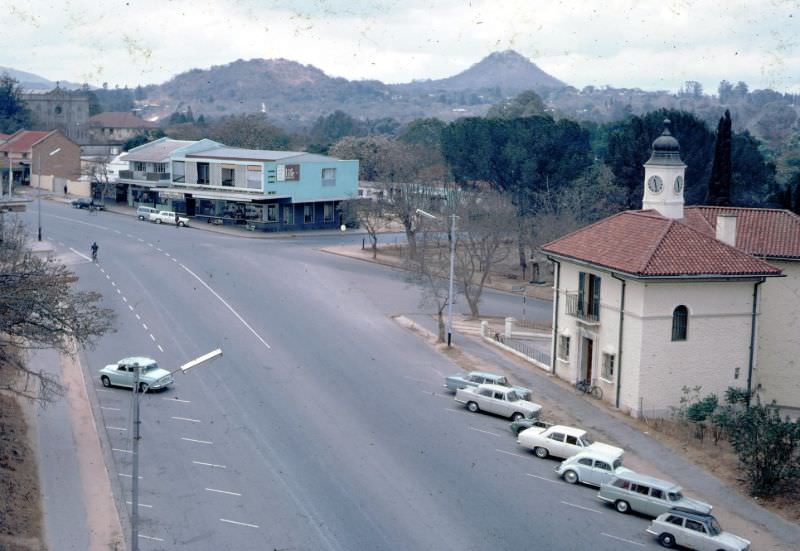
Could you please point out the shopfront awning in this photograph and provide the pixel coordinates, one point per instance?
(221, 195)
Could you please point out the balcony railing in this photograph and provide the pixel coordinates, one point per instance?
(583, 309)
(143, 176)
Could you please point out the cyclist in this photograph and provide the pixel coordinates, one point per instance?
(94, 250)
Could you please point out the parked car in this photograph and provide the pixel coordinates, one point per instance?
(475, 378)
(151, 377)
(496, 399)
(591, 467)
(527, 422)
(561, 441)
(168, 217)
(143, 213)
(647, 495)
(694, 530)
(86, 203)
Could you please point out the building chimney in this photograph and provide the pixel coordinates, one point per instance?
(726, 229)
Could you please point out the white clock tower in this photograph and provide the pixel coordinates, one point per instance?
(663, 177)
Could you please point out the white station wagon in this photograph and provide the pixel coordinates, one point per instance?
(151, 377)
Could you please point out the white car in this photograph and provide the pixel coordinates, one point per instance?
(496, 399)
(151, 377)
(168, 217)
(561, 441)
(693, 530)
(591, 467)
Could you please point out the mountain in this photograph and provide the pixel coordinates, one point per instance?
(508, 70)
(30, 81)
(295, 94)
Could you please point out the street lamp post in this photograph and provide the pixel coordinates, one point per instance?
(452, 269)
(39, 186)
(136, 437)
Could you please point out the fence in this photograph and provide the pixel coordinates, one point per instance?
(527, 349)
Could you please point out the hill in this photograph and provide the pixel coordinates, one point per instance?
(30, 81)
(294, 94)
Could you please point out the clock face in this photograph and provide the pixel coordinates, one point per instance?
(655, 184)
(678, 184)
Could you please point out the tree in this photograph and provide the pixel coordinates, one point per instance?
(526, 104)
(330, 128)
(429, 269)
(251, 131)
(40, 309)
(796, 207)
(369, 214)
(143, 138)
(423, 132)
(719, 184)
(725, 91)
(768, 448)
(14, 112)
(486, 227)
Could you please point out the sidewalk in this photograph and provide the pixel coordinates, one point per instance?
(593, 416)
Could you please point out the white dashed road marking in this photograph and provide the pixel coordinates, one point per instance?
(138, 318)
(152, 337)
(212, 465)
(223, 492)
(115, 428)
(124, 299)
(187, 419)
(177, 400)
(161, 349)
(622, 539)
(129, 476)
(582, 507)
(484, 431)
(121, 451)
(238, 523)
(110, 408)
(150, 538)
(130, 307)
(543, 478)
(511, 453)
(145, 326)
(113, 284)
(80, 254)
(198, 441)
(141, 505)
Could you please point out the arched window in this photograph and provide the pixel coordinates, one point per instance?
(680, 320)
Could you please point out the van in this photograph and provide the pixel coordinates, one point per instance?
(143, 213)
(647, 495)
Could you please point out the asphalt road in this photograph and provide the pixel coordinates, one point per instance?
(324, 426)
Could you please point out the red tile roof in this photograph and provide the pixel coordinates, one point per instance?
(646, 244)
(23, 140)
(772, 233)
(114, 119)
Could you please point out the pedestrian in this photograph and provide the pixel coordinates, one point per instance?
(177, 220)
(65, 190)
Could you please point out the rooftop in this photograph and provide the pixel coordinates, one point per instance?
(646, 244)
(235, 153)
(156, 151)
(22, 140)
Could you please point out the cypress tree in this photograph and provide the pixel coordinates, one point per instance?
(796, 208)
(719, 184)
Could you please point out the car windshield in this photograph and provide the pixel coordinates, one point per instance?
(675, 496)
(585, 440)
(714, 527)
(512, 396)
(151, 367)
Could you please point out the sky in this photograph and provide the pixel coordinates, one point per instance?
(653, 45)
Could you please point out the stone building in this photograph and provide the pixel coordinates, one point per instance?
(64, 110)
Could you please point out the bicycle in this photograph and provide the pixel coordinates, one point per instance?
(586, 387)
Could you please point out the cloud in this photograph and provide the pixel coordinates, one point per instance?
(648, 44)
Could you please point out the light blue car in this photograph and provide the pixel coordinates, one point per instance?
(151, 377)
(475, 378)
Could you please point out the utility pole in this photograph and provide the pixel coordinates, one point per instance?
(450, 293)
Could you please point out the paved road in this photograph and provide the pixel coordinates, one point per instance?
(324, 425)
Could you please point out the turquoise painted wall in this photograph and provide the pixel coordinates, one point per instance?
(309, 187)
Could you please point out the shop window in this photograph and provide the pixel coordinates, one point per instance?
(308, 214)
(327, 212)
(288, 215)
(272, 213)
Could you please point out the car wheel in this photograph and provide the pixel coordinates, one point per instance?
(540, 452)
(571, 477)
(181, 224)
(158, 220)
(105, 380)
(143, 387)
(622, 506)
(473, 407)
(517, 416)
(141, 218)
(666, 540)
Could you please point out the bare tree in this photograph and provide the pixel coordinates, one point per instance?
(369, 214)
(99, 173)
(40, 309)
(485, 237)
(429, 270)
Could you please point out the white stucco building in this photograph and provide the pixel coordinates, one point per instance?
(647, 302)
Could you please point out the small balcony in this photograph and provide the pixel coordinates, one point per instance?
(584, 310)
(142, 176)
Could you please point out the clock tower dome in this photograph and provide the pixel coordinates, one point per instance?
(663, 176)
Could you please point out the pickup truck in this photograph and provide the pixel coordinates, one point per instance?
(563, 442)
(496, 399)
(168, 217)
